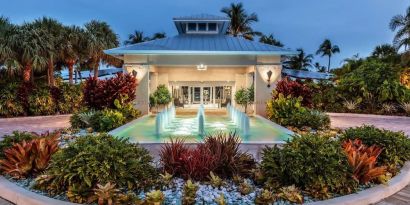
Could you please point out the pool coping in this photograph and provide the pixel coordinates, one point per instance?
(289, 132)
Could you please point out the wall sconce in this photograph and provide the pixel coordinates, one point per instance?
(269, 73)
(134, 73)
(201, 67)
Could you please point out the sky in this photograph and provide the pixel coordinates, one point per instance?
(356, 26)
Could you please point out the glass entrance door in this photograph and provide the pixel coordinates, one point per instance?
(206, 95)
(196, 95)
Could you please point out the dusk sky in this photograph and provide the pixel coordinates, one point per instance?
(357, 26)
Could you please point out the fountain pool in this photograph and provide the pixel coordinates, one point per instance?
(142, 130)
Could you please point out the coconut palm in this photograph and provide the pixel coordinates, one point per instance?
(241, 21)
(302, 61)
(327, 49)
(52, 30)
(159, 35)
(100, 37)
(28, 49)
(5, 50)
(271, 40)
(401, 23)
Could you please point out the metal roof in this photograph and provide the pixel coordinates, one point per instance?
(206, 17)
(304, 74)
(206, 44)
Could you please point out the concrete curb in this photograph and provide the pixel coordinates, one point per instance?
(20, 196)
(336, 114)
(375, 194)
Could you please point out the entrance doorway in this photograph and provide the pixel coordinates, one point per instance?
(211, 96)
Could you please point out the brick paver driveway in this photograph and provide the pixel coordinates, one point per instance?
(37, 124)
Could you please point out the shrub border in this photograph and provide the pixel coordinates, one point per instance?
(20, 196)
(374, 194)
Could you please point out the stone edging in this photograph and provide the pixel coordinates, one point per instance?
(344, 114)
(374, 194)
(20, 196)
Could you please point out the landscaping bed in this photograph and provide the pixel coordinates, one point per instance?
(98, 168)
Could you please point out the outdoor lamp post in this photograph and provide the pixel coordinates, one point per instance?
(269, 73)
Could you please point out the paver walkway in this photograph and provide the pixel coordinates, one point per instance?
(37, 124)
(5, 202)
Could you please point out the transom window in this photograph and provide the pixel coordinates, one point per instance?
(201, 28)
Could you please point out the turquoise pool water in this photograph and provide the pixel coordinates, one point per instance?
(143, 130)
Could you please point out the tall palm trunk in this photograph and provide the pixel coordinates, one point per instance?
(328, 65)
(50, 72)
(27, 72)
(70, 65)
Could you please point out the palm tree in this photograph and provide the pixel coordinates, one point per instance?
(100, 37)
(271, 40)
(70, 49)
(327, 49)
(5, 50)
(300, 61)
(319, 67)
(28, 49)
(241, 21)
(159, 35)
(53, 37)
(136, 37)
(402, 25)
(384, 51)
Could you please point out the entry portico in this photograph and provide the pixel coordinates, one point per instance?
(202, 65)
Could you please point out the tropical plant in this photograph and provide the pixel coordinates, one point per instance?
(155, 197)
(406, 107)
(319, 68)
(271, 40)
(327, 49)
(189, 195)
(104, 193)
(138, 37)
(215, 180)
(99, 94)
(10, 104)
(100, 37)
(401, 24)
(310, 167)
(388, 108)
(26, 158)
(384, 51)
(245, 188)
(241, 21)
(52, 31)
(363, 160)
(41, 102)
(395, 145)
(291, 193)
(220, 200)
(351, 105)
(162, 95)
(302, 61)
(15, 138)
(98, 159)
(265, 197)
(106, 120)
(295, 89)
(245, 97)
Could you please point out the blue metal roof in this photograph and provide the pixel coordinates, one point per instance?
(201, 17)
(304, 74)
(206, 44)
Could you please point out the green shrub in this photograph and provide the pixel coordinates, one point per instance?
(309, 161)
(9, 103)
(16, 137)
(70, 100)
(98, 159)
(162, 95)
(106, 120)
(396, 145)
(288, 111)
(41, 102)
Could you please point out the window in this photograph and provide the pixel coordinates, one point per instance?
(191, 26)
(201, 26)
(211, 26)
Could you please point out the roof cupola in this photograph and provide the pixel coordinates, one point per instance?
(201, 24)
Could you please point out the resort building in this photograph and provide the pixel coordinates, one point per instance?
(203, 65)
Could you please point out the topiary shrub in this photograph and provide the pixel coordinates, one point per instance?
(396, 145)
(162, 95)
(315, 163)
(97, 159)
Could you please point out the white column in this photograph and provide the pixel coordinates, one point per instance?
(213, 94)
(201, 95)
(189, 94)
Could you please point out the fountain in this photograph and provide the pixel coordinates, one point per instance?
(164, 119)
(201, 120)
(240, 119)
